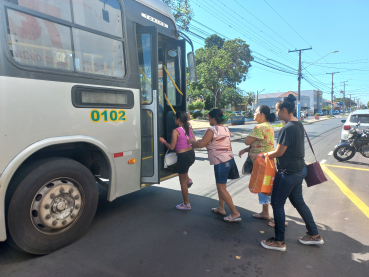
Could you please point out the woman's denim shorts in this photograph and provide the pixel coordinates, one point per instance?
(221, 171)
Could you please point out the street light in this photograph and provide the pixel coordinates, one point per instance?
(322, 58)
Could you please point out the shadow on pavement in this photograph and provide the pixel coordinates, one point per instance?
(142, 234)
(356, 163)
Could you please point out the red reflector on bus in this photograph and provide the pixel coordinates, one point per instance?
(117, 155)
(346, 127)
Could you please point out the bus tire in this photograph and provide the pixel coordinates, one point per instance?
(51, 204)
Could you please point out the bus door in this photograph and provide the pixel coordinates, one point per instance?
(147, 44)
(172, 87)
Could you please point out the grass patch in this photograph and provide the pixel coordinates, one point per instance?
(279, 125)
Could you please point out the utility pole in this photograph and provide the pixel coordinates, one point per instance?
(350, 103)
(332, 92)
(344, 91)
(354, 100)
(299, 79)
(257, 95)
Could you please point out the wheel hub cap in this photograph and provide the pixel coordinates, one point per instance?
(56, 206)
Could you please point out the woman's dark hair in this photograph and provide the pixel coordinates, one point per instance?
(288, 103)
(217, 114)
(182, 116)
(270, 117)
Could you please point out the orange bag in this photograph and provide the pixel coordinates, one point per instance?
(262, 176)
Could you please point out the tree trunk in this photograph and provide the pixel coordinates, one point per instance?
(218, 99)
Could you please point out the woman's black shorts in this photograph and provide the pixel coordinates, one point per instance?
(185, 160)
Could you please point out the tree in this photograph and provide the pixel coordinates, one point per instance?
(346, 101)
(182, 12)
(231, 96)
(249, 99)
(219, 69)
(367, 105)
(327, 108)
(214, 40)
(196, 105)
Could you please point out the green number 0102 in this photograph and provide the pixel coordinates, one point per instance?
(108, 115)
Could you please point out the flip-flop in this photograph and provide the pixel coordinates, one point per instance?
(261, 217)
(272, 224)
(184, 207)
(215, 210)
(230, 219)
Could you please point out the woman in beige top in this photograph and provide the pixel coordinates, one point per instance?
(217, 141)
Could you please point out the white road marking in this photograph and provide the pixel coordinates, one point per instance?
(323, 161)
(330, 153)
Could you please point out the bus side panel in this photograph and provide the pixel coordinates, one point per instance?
(33, 110)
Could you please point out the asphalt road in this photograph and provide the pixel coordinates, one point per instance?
(142, 234)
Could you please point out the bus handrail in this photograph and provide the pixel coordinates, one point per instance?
(174, 83)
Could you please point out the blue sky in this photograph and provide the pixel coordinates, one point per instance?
(325, 25)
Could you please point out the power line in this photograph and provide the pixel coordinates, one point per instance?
(249, 22)
(264, 23)
(268, 64)
(291, 27)
(209, 9)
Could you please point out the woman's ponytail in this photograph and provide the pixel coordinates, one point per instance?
(270, 117)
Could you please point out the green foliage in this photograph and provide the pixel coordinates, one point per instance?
(196, 105)
(367, 105)
(279, 124)
(205, 113)
(231, 96)
(197, 114)
(227, 117)
(249, 114)
(346, 101)
(214, 40)
(182, 12)
(317, 114)
(220, 69)
(249, 98)
(327, 108)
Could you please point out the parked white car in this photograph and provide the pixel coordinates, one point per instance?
(353, 118)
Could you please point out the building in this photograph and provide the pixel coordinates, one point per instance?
(271, 99)
(316, 100)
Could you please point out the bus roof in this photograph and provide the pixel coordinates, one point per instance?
(158, 6)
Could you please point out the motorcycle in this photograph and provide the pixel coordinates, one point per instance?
(358, 141)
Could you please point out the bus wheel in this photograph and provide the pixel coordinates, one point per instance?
(52, 205)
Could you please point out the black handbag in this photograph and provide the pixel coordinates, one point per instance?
(247, 166)
(233, 172)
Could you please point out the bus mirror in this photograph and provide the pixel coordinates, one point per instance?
(192, 66)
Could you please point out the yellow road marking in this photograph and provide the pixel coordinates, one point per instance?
(347, 167)
(356, 200)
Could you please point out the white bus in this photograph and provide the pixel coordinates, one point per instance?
(86, 89)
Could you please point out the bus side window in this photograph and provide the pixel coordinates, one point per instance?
(57, 8)
(101, 15)
(98, 55)
(38, 42)
(144, 58)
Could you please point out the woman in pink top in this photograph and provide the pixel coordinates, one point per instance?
(185, 154)
(217, 140)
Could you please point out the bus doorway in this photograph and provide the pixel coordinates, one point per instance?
(163, 81)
